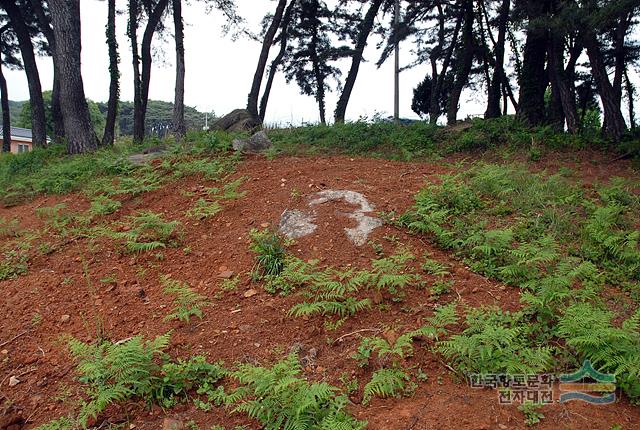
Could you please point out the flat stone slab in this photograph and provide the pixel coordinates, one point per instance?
(297, 223)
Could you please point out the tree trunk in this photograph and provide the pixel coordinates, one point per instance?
(56, 112)
(147, 38)
(284, 39)
(533, 80)
(114, 74)
(493, 96)
(65, 17)
(464, 63)
(614, 121)
(177, 125)
(6, 114)
(365, 29)
(560, 84)
(630, 96)
(38, 121)
(252, 102)
(438, 79)
(132, 30)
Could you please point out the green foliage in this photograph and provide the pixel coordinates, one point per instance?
(589, 331)
(115, 372)
(532, 415)
(103, 205)
(382, 139)
(434, 267)
(347, 307)
(270, 253)
(296, 273)
(204, 209)
(9, 228)
(137, 368)
(385, 383)
(187, 302)
(212, 169)
(148, 231)
(13, 264)
(495, 342)
(63, 423)
(279, 399)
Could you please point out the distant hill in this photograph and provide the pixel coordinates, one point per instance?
(15, 107)
(158, 119)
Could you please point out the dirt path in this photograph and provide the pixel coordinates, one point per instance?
(125, 296)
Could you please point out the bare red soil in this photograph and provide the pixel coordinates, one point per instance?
(254, 329)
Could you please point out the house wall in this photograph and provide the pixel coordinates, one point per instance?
(14, 145)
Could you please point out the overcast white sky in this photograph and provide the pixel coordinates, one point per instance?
(220, 71)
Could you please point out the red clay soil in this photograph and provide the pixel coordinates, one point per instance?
(254, 329)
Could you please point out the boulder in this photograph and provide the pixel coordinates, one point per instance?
(256, 143)
(236, 121)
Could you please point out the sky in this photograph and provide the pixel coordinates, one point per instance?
(219, 70)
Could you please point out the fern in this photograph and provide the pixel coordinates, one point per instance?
(434, 267)
(348, 307)
(148, 231)
(103, 205)
(279, 399)
(115, 372)
(495, 342)
(589, 331)
(204, 209)
(296, 274)
(385, 383)
(188, 303)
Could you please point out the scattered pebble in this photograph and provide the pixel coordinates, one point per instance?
(250, 293)
(13, 381)
(65, 318)
(227, 274)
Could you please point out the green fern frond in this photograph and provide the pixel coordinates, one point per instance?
(385, 383)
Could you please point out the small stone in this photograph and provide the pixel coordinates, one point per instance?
(4, 352)
(257, 344)
(13, 381)
(250, 293)
(502, 427)
(264, 225)
(223, 268)
(227, 274)
(65, 318)
(172, 424)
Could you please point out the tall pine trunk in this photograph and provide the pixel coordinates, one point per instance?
(145, 48)
(614, 125)
(495, 89)
(56, 110)
(252, 101)
(65, 17)
(363, 34)
(464, 63)
(132, 30)
(6, 114)
(438, 79)
(177, 125)
(630, 95)
(561, 85)
(38, 121)
(114, 74)
(533, 79)
(273, 68)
